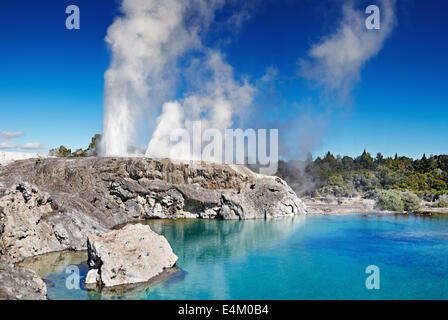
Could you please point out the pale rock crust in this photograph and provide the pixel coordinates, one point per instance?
(20, 284)
(129, 255)
(30, 225)
(54, 204)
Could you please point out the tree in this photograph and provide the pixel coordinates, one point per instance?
(79, 153)
(379, 159)
(365, 161)
(348, 163)
(60, 152)
(93, 149)
(411, 201)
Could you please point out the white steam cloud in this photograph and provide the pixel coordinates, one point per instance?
(157, 46)
(148, 43)
(221, 99)
(335, 63)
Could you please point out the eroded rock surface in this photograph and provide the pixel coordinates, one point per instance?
(120, 190)
(30, 225)
(130, 255)
(53, 204)
(20, 284)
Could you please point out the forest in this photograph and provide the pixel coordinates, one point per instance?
(366, 176)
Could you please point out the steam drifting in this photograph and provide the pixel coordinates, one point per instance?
(147, 43)
(158, 45)
(221, 99)
(335, 63)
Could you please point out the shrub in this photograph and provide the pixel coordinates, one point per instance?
(389, 200)
(411, 201)
(442, 202)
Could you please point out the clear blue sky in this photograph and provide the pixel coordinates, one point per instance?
(51, 78)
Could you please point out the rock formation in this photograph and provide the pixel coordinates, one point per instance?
(54, 204)
(20, 284)
(130, 255)
(31, 225)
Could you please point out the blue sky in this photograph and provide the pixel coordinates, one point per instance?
(51, 78)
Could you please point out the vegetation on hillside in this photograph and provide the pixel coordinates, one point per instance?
(366, 176)
(91, 151)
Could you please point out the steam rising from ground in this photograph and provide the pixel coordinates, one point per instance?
(334, 65)
(221, 99)
(157, 44)
(147, 43)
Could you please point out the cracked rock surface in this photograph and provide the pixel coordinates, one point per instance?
(130, 255)
(30, 225)
(54, 204)
(20, 284)
(49, 205)
(120, 190)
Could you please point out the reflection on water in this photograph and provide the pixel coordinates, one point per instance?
(312, 257)
(54, 262)
(195, 242)
(199, 240)
(138, 291)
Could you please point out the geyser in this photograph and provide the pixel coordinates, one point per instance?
(147, 43)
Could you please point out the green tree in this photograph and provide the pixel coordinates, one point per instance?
(93, 149)
(379, 159)
(365, 161)
(60, 152)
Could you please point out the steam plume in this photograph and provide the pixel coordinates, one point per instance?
(335, 63)
(147, 42)
(222, 98)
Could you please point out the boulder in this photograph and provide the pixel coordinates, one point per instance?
(129, 255)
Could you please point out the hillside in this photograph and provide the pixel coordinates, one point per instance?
(370, 178)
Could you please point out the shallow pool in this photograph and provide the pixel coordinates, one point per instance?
(312, 257)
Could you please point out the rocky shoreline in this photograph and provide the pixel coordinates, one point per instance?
(345, 205)
(51, 205)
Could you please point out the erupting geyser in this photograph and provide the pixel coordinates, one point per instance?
(147, 43)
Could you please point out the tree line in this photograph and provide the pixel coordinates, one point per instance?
(364, 175)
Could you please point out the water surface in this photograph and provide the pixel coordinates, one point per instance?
(312, 257)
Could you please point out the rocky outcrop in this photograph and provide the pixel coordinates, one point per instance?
(53, 204)
(20, 284)
(30, 225)
(130, 255)
(341, 205)
(117, 191)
